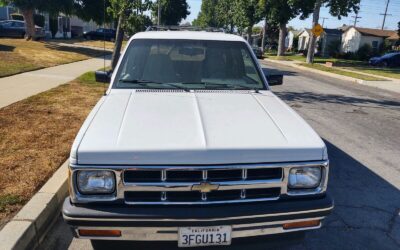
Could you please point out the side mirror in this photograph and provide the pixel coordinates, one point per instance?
(103, 76)
(274, 80)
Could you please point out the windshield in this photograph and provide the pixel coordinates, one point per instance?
(188, 64)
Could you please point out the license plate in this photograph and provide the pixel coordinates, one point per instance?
(204, 236)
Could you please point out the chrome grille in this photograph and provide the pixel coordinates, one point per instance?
(183, 186)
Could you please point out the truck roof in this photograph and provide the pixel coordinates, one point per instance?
(189, 35)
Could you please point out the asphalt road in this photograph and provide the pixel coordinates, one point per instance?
(361, 127)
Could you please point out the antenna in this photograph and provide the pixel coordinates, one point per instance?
(104, 43)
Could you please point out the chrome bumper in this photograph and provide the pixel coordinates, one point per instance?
(171, 233)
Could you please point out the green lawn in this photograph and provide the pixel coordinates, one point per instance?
(358, 66)
(387, 72)
(341, 72)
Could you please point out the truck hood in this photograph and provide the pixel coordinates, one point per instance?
(140, 127)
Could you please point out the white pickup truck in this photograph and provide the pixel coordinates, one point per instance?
(190, 145)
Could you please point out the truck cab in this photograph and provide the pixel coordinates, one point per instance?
(190, 145)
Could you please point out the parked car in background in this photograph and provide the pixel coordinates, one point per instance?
(101, 34)
(258, 52)
(16, 28)
(387, 60)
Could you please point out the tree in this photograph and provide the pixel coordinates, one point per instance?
(398, 31)
(225, 13)
(208, 16)
(131, 17)
(93, 10)
(172, 11)
(28, 7)
(281, 12)
(247, 14)
(337, 8)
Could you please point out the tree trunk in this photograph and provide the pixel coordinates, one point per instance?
(313, 39)
(264, 31)
(249, 33)
(282, 38)
(30, 31)
(118, 42)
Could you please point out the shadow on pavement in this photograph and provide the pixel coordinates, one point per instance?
(366, 216)
(310, 97)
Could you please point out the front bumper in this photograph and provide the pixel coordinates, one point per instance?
(161, 223)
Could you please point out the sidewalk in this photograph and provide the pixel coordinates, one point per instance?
(18, 87)
(388, 84)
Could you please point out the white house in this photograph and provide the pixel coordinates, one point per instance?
(354, 37)
(290, 38)
(328, 37)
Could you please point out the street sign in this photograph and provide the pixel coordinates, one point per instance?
(317, 30)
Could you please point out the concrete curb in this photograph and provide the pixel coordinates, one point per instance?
(28, 228)
(295, 65)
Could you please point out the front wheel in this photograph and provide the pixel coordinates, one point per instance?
(383, 64)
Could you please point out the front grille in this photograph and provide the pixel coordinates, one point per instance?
(192, 186)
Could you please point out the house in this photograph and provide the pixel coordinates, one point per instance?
(328, 37)
(304, 38)
(290, 39)
(5, 12)
(355, 37)
(67, 26)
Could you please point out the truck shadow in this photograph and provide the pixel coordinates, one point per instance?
(366, 216)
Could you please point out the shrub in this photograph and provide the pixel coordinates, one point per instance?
(39, 20)
(365, 52)
(334, 48)
(53, 25)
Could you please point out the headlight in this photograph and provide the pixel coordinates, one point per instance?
(95, 182)
(305, 177)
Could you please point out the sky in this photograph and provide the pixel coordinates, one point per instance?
(369, 12)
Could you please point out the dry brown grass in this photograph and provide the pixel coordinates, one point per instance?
(18, 55)
(35, 139)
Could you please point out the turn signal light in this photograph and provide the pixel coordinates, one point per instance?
(99, 233)
(302, 224)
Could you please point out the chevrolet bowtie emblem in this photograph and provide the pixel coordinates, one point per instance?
(205, 187)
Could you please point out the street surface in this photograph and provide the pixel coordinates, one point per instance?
(361, 127)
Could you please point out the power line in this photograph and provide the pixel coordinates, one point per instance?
(386, 14)
(323, 20)
(356, 17)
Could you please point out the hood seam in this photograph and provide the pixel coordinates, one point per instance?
(270, 116)
(201, 120)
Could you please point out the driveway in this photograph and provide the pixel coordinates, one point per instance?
(361, 127)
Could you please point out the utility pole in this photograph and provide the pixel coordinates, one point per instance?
(323, 20)
(356, 17)
(386, 14)
(159, 13)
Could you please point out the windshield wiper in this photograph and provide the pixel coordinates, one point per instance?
(147, 82)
